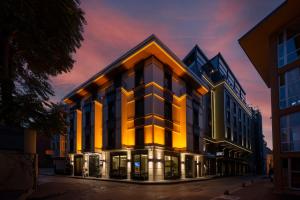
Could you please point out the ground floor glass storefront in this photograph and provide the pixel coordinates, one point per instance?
(118, 167)
(151, 164)
(172, 167)
(140, 166)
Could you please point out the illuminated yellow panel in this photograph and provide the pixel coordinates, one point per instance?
(127, 135)
(98, 126)
(179, 139)
(78, 131)
(82, 92)
(130, 139)
(159, 135)
(68, 101)
(202, 90)
(148, 136)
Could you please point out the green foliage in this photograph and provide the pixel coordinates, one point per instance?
(38, 39)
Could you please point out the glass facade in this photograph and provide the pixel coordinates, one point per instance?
(289, 88)
(290, 132)
(288, 48)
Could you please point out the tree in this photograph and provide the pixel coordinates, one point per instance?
(37, 40)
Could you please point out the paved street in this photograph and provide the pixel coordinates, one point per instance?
(54, 187)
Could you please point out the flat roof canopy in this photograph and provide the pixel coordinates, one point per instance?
(152, 46)
(256, 43)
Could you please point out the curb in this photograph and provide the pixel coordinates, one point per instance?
(144, 182)
(138, 182)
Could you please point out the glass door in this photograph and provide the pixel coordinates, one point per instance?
(140, 167)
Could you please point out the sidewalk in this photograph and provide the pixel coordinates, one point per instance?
(262, 189)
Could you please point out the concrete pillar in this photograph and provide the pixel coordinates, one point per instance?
(150, 165)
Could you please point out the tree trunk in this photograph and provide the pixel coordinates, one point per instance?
(6, 80)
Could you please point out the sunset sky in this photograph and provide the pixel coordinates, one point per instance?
(114, 27)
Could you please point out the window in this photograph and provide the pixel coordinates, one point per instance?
(168, 110)
(295, 173)
(230, 80)
(234, 122)
(168, 80)
(139, 137)
(289, 88)
(71, 133)
(222, 68)
(87, 127)
(288, 47)
(139, 76)
(234, 107)
(228, 132)
(228, 117)
(168, 138)
(237, 89)
(196, 143)
(290, 132)
(227, 101)
(111, 138)
(139, 107)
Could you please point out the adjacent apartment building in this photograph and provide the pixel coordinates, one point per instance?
(273, 46)
(150, 116)
(227, 137)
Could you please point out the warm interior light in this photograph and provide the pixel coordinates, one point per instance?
(78, 131)
(148, 134)
(127, 125)
(98, 126)
(179, 139)
(159, 135)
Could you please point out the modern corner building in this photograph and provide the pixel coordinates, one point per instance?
(273, 46)
(150, 116)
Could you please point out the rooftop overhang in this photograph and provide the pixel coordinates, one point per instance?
(150, 47)
(256, 43)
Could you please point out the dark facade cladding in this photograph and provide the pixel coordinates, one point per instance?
(150, 116)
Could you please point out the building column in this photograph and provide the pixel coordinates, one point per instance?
(182, 165)
(97, 126)
(78, 131)
(150, 164)
(129, 160)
